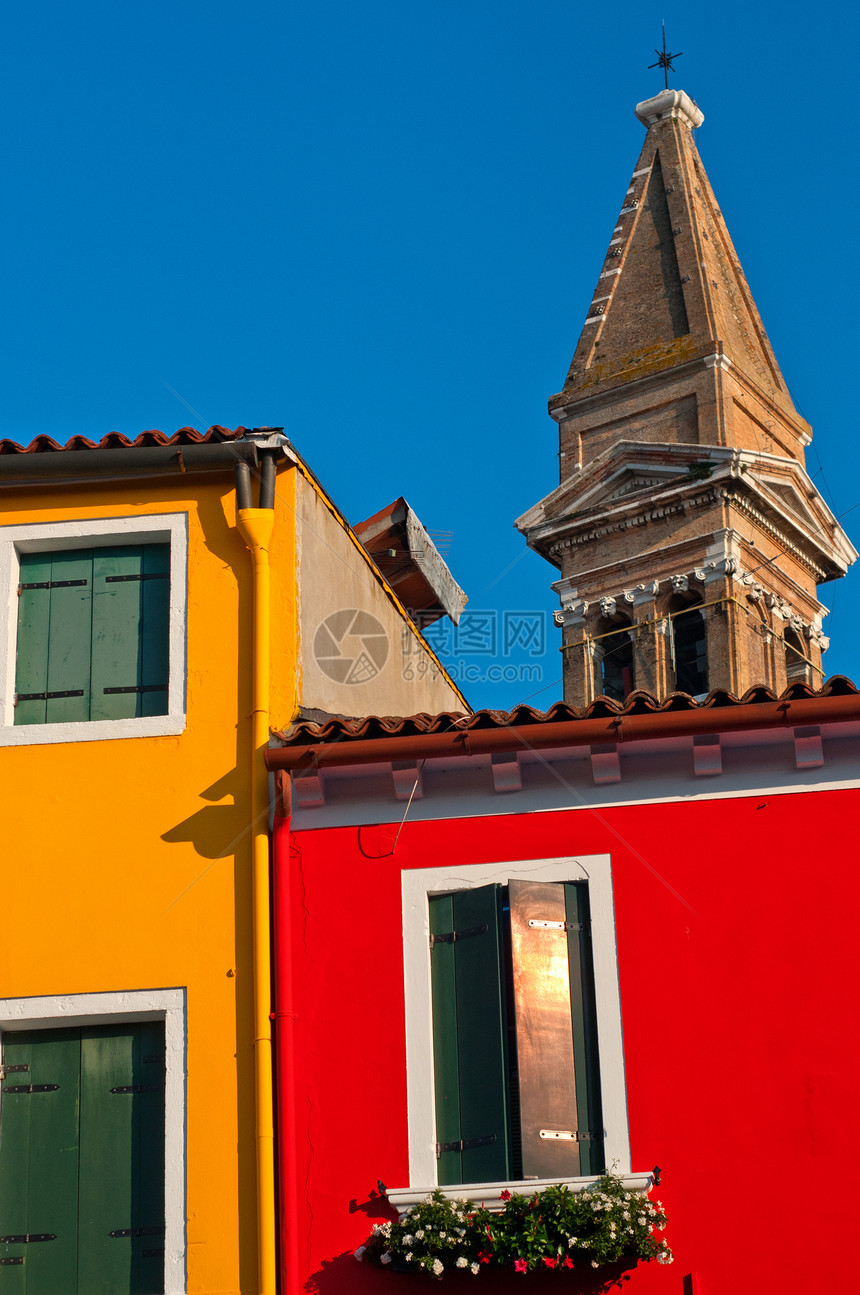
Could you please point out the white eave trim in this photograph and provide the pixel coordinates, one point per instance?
(489, 1195)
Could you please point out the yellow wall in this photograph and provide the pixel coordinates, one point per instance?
(127, 862)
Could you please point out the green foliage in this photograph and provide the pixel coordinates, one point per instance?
(554, 1230)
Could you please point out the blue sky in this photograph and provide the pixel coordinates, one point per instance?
(380, 225)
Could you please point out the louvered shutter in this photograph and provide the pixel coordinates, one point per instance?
(469, 1036)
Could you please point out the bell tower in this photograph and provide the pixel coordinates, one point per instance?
(688, 536)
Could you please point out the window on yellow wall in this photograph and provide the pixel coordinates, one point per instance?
(92, 638)
(95, 639)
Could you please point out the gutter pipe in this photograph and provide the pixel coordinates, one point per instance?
(255, 525)
(285, 1043)
(136, 461)
(569, 733)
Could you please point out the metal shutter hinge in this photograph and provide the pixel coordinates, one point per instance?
(30, 1088)
(25, 1238)
(571, 1135)
(137, 1232)
(451, 937)
(467, 1145)
(541, 924)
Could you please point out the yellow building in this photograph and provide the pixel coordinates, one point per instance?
(142, 664)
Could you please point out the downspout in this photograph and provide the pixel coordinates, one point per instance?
(285, 1034)
(255, 526)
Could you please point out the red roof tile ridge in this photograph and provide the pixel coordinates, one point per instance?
(372, 727)
(44, 444)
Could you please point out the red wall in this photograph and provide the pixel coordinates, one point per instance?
(737, 924)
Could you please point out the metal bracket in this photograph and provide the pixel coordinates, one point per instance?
(543, 925)
(50, 584)
(47, 696)
(571, 1135)
(24, 1238)
(137, 1232)
(146, 575)
(30, 1088)
(467, 1145)
(146, 687)
(451, 937)
(18, 1259)
(136, 1088)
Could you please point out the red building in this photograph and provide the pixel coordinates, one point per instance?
(701, 856)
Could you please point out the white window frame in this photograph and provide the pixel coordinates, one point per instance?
(417, 885)
(167, 1005)
(86, 533)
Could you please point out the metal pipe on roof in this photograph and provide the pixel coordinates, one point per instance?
(243, 486)
(581, 732)
(136, 461)
(268, 471)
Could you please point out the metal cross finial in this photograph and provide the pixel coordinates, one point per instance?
(664, 60)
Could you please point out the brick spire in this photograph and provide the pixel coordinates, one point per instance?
(672, 289)
(688, 535)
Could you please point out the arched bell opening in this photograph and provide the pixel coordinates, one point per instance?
(614, 664)
(689, 645)
(796, 663)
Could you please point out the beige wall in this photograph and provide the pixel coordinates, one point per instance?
(384, 666)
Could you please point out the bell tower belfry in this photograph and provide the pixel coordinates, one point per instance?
(688, 535)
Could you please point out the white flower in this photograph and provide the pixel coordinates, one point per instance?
(419, 1236)
(407, 1240)
(438, 1267)
(462, 1262)
(475, 1269)
(359, 1253)
(386, 1258)
(443, 1236)
(595, 1264)
(409, 1257)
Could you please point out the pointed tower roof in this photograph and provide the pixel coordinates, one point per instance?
(671, 289)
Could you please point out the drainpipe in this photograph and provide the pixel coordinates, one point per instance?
(255, 526)
(285, 1035)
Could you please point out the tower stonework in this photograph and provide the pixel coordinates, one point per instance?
(688, 535)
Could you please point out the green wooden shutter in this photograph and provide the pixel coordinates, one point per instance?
(469, 1036)
(54, 629)
(155, 629)
(584, 1024)
(129, 649)
(39, 1160)
(34, 622)
(80, 1161)
(122, 1160)
(93, 631)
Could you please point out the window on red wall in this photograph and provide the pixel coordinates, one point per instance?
(515, 1051)
(513, 1026)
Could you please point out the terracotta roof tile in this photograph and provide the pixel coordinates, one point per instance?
(336, 729)
(117, 441)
